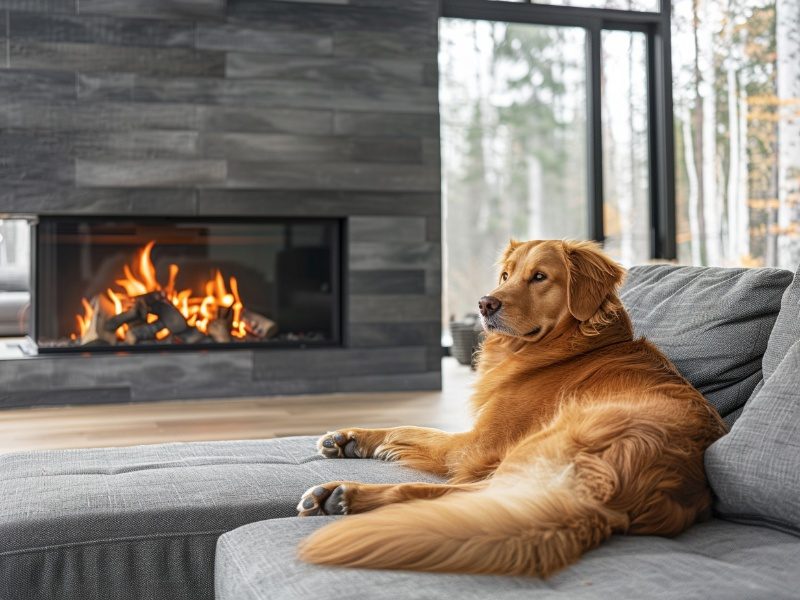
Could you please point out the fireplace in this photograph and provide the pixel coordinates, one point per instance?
(117, 284)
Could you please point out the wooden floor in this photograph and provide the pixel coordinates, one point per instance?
(248, 418)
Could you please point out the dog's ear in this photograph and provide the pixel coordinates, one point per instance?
(512, 245)
(592, 277)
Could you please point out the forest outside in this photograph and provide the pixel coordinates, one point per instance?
(513, 119)
(736, 69)
(513, 113)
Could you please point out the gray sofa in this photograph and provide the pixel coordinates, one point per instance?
(205, 520)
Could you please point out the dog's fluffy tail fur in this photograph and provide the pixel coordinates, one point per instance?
(532, 525)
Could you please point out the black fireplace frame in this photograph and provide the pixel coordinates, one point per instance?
(339, 288)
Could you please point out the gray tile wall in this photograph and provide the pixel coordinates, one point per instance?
(232, 108)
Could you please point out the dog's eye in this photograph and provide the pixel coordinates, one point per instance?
(503, 276)
(539, 277)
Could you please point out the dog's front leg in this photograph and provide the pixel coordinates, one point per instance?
(349, 497)
(419, 447)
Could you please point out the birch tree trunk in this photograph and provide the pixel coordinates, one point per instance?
(628, 206)
(733, 250)
(788, 50)
(479, 143)
(738, 221)
(693, 131)
(743, 195)
(711, 204)
(536, 201)
(694, 189)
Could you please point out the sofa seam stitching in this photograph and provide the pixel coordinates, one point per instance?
(109, 473)
(142, 538)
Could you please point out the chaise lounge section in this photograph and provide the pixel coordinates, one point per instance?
(143, 522)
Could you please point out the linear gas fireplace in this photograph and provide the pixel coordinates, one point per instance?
(112, 284)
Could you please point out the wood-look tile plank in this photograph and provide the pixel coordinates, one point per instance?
(247, 418)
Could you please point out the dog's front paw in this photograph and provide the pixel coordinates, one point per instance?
(339, 444)
(326, 499)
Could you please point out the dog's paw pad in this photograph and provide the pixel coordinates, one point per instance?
(321, 500)
(338, 444)
(336, 504)
(351, 449)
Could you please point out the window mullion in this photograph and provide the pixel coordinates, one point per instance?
(594, 133)
(662, 158)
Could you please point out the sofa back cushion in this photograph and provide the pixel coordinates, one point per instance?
(712, 323)
(786, 330)
(755, 469)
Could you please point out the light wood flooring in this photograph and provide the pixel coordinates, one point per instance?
(246, 418)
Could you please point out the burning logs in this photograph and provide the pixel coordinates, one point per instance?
(220, 331)
(259, 325)
(142, 309)
(220, 328)
(97, 332)
(143, 333)
(136, 313)
(152, 317)
(169, 316)
(191, 336)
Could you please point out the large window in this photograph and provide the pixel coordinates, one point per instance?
(554, 125)
(513, 100)
(737, 124)
(663, 130)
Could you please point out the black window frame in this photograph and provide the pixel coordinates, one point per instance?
(661, 158)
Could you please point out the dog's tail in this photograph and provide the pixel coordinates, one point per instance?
(516, 525)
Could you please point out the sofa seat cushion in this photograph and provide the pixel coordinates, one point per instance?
(712, 323)
(142, 522)
(712, 560)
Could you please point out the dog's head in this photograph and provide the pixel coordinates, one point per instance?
(547, 286)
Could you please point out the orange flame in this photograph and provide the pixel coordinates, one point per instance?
(86, 319)
(198, 311)
(238, 325)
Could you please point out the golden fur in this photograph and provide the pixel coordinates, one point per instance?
(580, 432)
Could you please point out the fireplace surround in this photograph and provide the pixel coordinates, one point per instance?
(241, 111)
(134, 284)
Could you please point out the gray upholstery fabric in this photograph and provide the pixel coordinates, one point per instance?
(712, 323)
(786, 330)
(784, 333)
(755, 469)
(712, 560)
(141, 523)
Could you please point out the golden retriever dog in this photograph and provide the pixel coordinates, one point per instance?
(581, 432)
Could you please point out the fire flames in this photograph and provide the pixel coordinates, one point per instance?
(198, 310)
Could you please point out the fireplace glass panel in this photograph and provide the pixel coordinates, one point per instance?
(112, 284)
(15, 268)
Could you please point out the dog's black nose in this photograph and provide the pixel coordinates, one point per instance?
(488, 305)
